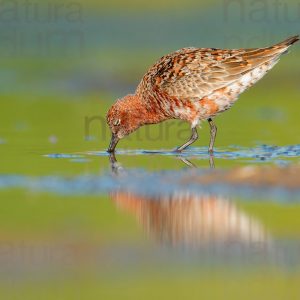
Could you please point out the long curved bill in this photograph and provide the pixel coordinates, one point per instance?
(113, 143)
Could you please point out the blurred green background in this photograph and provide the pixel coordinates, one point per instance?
(63, 64)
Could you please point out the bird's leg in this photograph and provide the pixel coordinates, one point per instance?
(211, 162)
(192, 139)
(213, 134)
(115, 166)
(187, 162)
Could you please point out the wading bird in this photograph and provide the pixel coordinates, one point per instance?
(192, 84)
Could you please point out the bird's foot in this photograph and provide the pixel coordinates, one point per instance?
(178, 151)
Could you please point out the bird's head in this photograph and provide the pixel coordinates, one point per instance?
(123, 118)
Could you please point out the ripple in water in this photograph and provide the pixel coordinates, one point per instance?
(258, 153)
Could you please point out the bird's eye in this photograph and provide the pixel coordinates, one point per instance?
(117, 122)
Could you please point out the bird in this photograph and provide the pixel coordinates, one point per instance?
(192, 85)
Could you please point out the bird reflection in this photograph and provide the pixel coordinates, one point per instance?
(191, 219)
(115, 166)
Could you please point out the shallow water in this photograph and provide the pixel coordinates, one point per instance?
(147, 222)
(275, 154)
(148, 227)
(153, 183)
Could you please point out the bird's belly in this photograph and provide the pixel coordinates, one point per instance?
(219, 101)
(215, 104)
(193, 111)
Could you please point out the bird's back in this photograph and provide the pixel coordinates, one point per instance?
(202, 82)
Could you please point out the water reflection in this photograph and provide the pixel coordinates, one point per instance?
(115, 166)
(192, 220)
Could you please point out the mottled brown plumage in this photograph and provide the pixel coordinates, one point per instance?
(192, 84)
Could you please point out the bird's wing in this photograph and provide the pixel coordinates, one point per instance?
(193, 73)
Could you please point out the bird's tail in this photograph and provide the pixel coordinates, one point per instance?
(288, 42)
(278, 49)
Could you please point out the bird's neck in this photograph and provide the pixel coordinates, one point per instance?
(145, 113)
